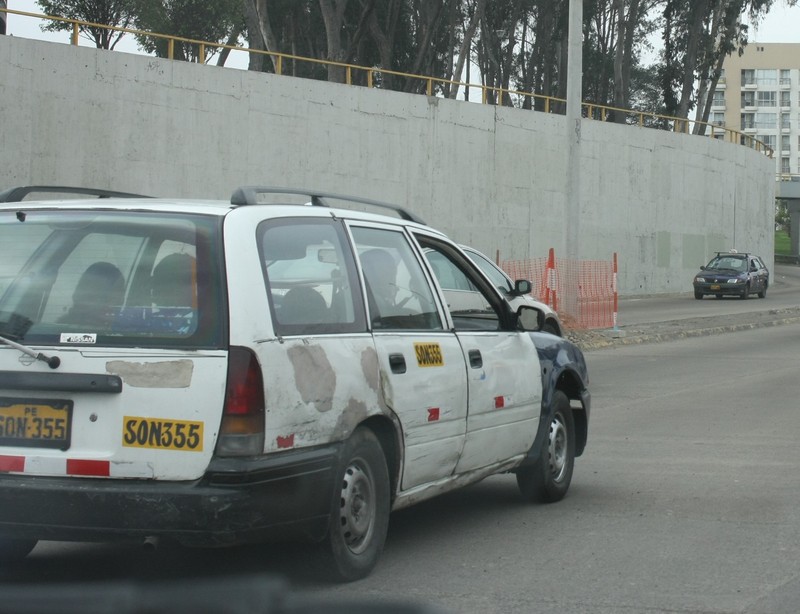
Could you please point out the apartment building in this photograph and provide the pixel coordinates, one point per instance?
(759, 95)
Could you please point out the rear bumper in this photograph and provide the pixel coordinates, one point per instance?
(237, 501)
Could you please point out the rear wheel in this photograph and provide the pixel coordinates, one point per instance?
(548, 480)
(359, 518)
(14, 550)
(763, 292)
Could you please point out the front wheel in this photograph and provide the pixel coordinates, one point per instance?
(359, 517)
(548, 479)
(746, 292)
(14, 550)
(698, 295)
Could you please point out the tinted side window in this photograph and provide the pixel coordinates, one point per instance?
(311, 277)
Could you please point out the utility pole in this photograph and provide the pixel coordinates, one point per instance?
(3, 17)
(572, 213)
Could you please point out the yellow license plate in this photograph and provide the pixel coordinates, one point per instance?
(715, 287)
(162, 434)
(35, 423)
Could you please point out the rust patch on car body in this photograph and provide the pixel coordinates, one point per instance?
(369, 367)
(314, 376)
(164, 374)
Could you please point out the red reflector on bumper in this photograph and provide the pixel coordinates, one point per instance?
(12, 463)
(88, 467)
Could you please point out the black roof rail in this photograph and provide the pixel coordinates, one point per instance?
(14, 195)
(249, 195)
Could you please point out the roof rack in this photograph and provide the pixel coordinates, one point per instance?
(14, 195)
(252, 195)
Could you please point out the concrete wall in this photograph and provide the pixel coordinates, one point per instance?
(492, 177)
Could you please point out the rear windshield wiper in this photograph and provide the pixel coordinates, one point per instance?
(52, 361)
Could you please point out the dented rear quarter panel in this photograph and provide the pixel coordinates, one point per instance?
(315, 394)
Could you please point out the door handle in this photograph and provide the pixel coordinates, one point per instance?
(397, 363)
(475, 359)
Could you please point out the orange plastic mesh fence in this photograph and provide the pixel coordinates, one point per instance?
(582, 291)
(534, 270)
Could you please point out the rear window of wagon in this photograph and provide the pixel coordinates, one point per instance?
(117, 278)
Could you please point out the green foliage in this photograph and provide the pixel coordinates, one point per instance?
(782, 243)
(202, 20)
(117, 13)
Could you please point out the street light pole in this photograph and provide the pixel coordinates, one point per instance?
(572, 212)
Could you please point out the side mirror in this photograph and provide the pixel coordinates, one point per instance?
(521, 286)
(703, 267)
(530, 318)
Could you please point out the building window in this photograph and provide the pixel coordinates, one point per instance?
(786, 99)
(719, 99)
(785, 143)
(786, 78)
(766, 121)
(721, 76)
(747, 121)
(767, 139)
(767, 99)
(786, 122)
(748, 76)
(717, 118)
(766, 76)
(785, 166)
(748, 99)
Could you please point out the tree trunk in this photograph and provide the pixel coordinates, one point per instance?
(699, 11)
(332, 16)
(466, 44)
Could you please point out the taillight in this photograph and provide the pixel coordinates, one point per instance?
(242, 429)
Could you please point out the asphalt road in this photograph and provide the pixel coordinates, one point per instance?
(686, 500)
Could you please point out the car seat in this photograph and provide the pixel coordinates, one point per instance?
(98, 296)
(303, 305)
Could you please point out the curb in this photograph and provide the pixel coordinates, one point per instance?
(599, 340)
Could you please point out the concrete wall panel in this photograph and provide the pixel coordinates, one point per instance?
(492, 177)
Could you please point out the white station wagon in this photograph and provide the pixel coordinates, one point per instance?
(225, 372)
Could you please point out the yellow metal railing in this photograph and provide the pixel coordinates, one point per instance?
(546, 104)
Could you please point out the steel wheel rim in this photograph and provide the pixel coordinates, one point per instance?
(357, 508)
(557, 448)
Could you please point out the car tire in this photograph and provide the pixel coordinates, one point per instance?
(549, 478)
(763, 293)
(359, 517)
(14, 550)
(698, 295)
(745, 292)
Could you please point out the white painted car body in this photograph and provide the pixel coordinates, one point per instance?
(222, 406)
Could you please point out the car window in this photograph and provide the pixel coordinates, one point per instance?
(129, 279)
(491, 270)
(472, 309)
(310, 277)
(449, 276)
(398, 293)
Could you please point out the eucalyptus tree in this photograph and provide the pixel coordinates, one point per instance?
(115, 13)
(698, 35)
(214, 21)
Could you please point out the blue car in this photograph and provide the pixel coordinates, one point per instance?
(733, 274)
